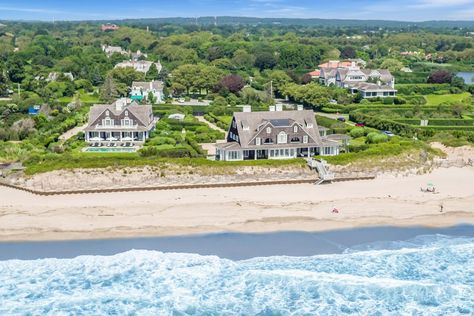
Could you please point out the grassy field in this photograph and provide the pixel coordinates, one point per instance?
(434, 99)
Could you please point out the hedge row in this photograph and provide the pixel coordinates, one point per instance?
(408, 130)
(439, 122)
(419, 88)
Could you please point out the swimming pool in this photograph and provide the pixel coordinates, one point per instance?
(110, 149)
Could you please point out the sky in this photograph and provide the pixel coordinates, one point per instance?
(402, 10)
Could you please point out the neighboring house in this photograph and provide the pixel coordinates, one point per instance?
(53, 76)
(315, 74)
(121, 123)
(274, 135)
(136, 56)
(110, 50)
(109, 27)
(370, 83)
(140, 65)
(140, 90)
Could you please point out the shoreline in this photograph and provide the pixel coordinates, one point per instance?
(239, 246)
(262, 209)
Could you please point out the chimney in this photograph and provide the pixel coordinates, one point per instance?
(120, 104)
(247, 109)
(300, 107)
(379, 83)
(271, 108)
(279, 107)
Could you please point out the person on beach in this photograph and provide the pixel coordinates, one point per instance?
(335, 210)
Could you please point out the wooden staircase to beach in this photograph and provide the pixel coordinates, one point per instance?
(321, 167)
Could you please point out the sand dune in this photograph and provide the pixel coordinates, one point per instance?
(384, 201)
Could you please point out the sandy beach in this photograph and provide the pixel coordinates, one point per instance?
(383, 201)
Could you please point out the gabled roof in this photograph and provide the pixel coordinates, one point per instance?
(255, 119)
(148, 85)
(143, 113)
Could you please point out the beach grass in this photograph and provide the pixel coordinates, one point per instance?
(69, 161)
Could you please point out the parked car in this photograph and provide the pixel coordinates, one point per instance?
(360, 125)
(341, 119)
(180, 100)
(388, 133)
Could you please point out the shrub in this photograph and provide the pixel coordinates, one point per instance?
(376, 138)
(357, 132)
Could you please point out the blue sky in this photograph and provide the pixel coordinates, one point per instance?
(407, 10)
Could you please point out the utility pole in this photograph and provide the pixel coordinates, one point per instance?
(271, 88)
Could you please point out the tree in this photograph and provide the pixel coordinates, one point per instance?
(231, 83)
(126, 75)
(243, 60)
(108, 93)
(151, 98)
(392, 64)
(3, 84)
(440, 76)
(348, 52)
(265, 60)
(152, 73)
(458, 109)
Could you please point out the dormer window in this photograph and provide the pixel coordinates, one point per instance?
(107, 122)
(305, 139)
(258, 141)
(107, 113)
(126, 113)
(295, 129)
(126, 122)
(269, 130)
(282, 138)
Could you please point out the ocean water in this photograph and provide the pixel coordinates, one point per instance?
(428, 275)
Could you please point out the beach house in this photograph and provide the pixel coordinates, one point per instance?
(140, 90)
(122, 123)
(370, 83)
(274, 134)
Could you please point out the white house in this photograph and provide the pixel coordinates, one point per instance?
(139, 65)
(140, 90)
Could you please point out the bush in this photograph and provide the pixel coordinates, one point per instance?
(357, 132)
(152, 151)
(376, 138)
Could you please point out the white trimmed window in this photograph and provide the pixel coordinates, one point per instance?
(305, 139)
(269, 130)
(295, 129)
(108, 122)
(258, 141)
(282, 138)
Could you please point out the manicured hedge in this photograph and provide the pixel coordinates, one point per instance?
(419, 88)
(439, 122)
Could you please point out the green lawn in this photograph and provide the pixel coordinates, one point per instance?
(434, 99)
(84, 97)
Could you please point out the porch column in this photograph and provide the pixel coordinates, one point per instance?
(255, 157)
(309, 152)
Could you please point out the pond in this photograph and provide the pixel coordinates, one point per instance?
(467, 76)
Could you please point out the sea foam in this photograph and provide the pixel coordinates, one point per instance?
(433, 275)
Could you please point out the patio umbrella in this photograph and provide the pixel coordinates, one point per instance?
(127, 139)
(110, 139)
(95, 139)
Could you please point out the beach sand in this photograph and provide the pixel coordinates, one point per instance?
(383, 201)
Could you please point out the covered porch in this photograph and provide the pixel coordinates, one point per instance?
(118, 138)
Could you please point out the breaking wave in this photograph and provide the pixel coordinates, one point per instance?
(432, 275)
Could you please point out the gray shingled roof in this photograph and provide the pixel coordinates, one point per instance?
(143, 113)
(367, 86)
(254, 119)
(146, 85)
